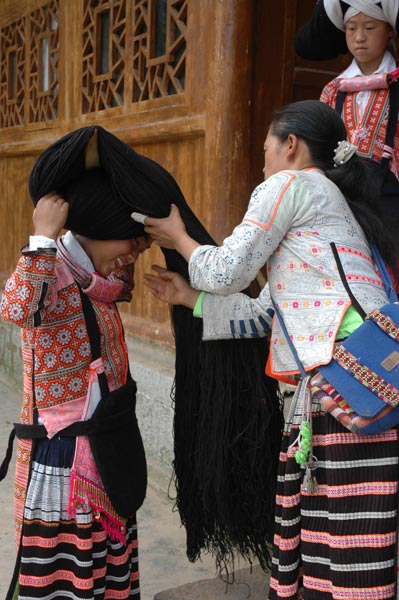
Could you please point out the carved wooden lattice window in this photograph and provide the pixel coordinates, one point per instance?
(159, 48)
(12, 74)
(43, 84)
(104, 36)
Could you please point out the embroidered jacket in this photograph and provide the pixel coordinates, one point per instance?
(290, 221)
(43, 299)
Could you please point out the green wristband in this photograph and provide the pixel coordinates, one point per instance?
(197, 311)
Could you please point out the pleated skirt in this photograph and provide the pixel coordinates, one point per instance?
(339, 542)
(64, 557)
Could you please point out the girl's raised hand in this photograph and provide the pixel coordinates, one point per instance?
(50, 215)
(171, 287)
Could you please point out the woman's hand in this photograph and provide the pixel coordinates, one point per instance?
(171, 287)
(171, 233)
(50, 215)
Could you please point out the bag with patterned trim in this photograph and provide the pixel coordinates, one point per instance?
(360, 386)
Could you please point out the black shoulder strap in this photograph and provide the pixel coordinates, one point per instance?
(341, 272)
(393, 115)
(93, 331)
(92, 325)
(339, 102)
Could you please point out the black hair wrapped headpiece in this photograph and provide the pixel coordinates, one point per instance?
(319, 38)
(227, 425)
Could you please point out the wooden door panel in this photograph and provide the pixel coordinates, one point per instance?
(309, 77)
(280, 75)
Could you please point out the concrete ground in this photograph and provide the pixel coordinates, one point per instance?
(165, 572)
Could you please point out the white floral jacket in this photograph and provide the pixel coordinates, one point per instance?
(291, 219)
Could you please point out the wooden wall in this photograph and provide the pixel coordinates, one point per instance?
(280, 76)
(201, 109)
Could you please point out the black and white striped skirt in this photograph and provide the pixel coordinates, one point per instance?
(340, 542)
(69, 557)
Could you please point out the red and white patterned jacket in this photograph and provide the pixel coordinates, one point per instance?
(43, 299)
(369, 131)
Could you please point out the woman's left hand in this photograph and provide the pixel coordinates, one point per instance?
(171, 287)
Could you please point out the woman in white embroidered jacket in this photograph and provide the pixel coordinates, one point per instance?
(317, 190)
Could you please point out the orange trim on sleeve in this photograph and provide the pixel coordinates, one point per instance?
(267, 226)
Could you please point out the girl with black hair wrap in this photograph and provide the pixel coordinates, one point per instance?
(336, 502)
(228, 417)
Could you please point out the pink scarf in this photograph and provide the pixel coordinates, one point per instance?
(117, 287)
(367, 82)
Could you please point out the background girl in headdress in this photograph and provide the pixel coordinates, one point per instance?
(366, 94)
(228, 420)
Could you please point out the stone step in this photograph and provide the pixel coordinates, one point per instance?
(248, 583)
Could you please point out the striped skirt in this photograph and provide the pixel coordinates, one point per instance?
(339, 542)
(64, 557)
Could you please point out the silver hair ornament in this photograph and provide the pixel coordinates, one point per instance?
(343, 152)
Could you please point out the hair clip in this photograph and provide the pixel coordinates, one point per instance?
(343, 152)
